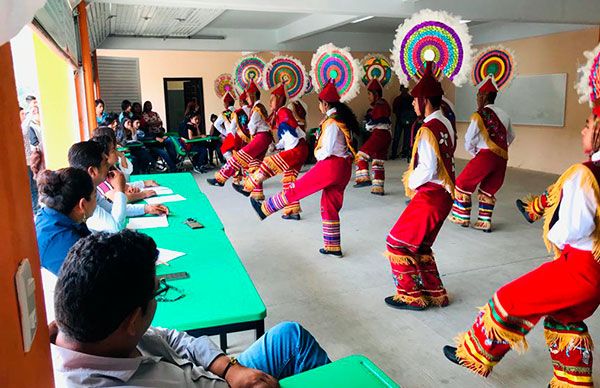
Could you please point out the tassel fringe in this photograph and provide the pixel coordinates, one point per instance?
(468, 361)
(571, 340)
(443, 175)
(415, 301)
(517, 342)
(589, 184)
(495, 148)
(399, 259)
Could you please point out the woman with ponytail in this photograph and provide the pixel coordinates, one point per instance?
(331, 174)
(68, 197)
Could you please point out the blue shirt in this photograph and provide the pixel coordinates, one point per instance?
(56, 234)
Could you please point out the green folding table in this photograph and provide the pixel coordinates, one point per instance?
(207, 139)
(353, 371)
(196, 205)
(220, 297)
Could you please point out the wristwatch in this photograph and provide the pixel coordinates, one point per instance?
(232, 361)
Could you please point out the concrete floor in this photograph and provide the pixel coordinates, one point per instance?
(341, 300)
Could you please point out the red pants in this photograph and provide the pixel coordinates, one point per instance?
(330, 176)
(409, 247)
(287, 163)
(249, 157)
(231, 143)
(487, 170)
(376, 151)
(566, 291)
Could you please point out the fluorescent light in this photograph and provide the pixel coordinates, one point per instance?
(361, 19)
(465, 21)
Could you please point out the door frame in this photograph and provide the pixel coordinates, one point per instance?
(165, 90)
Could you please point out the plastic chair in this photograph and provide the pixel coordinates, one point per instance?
(182, 153)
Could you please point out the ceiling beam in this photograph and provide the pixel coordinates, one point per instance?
(543, 11)
(254, 40)
(310, 25)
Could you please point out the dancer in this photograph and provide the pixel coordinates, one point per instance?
(251, 155)
(224, 119)
(375, 150)
(429, 182)
(287, 162)
(488, 137)
(331, 173)
(572, 231)
(565, 291)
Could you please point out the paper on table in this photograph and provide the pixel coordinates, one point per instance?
(147, 222)
(164, 199)
(166, 255)
(161, 190)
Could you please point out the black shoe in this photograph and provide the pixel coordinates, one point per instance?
(295, 217)
(362, 184)
(324, 251)
(521, 206)
(214, 182)
(450, 353)
(257, 205)
(401, 305)
(240, 189)
(380, 193)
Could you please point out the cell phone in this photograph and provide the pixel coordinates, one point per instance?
(174, 276)
(192, 223)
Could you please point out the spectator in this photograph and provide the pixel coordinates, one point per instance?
(32, 126)
(32, 183)
(109, 216)
(405, 116)
(112, 121)
(153, 127)
(128, 137)
(214, 146)
(105, 299)
(70, 199)
(151, 121)
(193, 131)
(125, 110)
(155, 151)
(136, 109)
(101, 115)
(133, 193)
(123, 164)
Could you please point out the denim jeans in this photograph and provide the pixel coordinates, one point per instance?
(285, 350)
(157, 152)
(34, 191)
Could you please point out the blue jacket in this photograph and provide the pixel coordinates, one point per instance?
(56, 234)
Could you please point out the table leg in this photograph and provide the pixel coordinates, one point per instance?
(223, 340)
(260, 329)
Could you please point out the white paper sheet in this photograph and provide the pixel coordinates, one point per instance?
(165, 199)
(147, 222)
(166, 255)
(161, 190)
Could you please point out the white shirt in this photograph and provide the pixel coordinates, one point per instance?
(289, 141)
(576, 215)
(333, 142)
(426, 170)
(257, 123)
(474, 142)
(220, 123)
(111, 217)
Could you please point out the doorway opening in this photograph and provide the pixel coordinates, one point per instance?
(178, 93)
